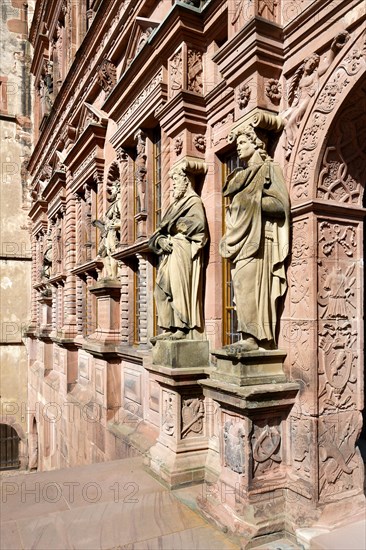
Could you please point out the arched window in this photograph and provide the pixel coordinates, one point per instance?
(9, 448)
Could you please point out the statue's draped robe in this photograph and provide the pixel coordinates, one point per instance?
(178, 290)
(256, 241)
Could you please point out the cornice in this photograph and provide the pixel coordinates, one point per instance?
(329, 208)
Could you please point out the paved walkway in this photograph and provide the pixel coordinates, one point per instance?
(118, 505)
(113, 505)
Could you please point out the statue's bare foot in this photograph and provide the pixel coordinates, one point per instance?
(178, 335)
(164, 336)
(247, 344)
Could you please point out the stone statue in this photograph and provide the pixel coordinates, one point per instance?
(110, 227)
(304, 84)
(47, 257)
(180, 239)
(256, 239)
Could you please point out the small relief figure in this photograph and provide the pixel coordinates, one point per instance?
(47, 257)
(195, 70)
(46, 102)
(180, 239)
(110, 232)
(168, 421)
(303, 87)
(141, 170)
(256, 240)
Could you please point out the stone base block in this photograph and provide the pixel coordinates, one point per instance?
(181, 353)
(253, 518)
(250, 367)
(177, 469)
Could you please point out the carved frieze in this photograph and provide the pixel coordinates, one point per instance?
(154, 82)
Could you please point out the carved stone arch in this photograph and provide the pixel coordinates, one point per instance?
(344, 76)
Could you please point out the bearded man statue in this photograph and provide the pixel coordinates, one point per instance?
(180, 240)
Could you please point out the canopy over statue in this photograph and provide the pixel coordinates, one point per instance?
(256, 238)
(180, 239)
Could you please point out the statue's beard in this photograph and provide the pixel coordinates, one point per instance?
(179, 193)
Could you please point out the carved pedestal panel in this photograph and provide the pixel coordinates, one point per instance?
(179, 455)
(107, 335)
(254, 403)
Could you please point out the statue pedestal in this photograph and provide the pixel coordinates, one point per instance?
(180, 453)
(107, 335)
(254, 400)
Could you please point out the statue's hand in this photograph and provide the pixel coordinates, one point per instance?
(166, 245)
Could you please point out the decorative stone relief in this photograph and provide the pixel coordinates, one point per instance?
(193, 412)
(47, 255)
(178, 145)
(337, 366)
(234, 446)
(168, 414)
(336, 297)
(335, 237)
(107, 75)
(340, 467)
(266, 446)
(301, 440)
(243, 95)
(195, 71)
(273, 90)
(176, 73)
(199, 142)
(268, 9)
(304, 85)
(340, 79)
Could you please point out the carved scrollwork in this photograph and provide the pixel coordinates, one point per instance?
(195, 71)
(107, 75)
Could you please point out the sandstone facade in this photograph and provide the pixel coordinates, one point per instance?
(123, 92)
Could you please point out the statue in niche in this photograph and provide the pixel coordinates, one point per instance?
(256, 239)
(110, 231)
(46, 102)
(304, 85)
(180, 239)
(47, 257)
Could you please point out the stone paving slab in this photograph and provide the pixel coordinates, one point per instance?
(110, 505)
